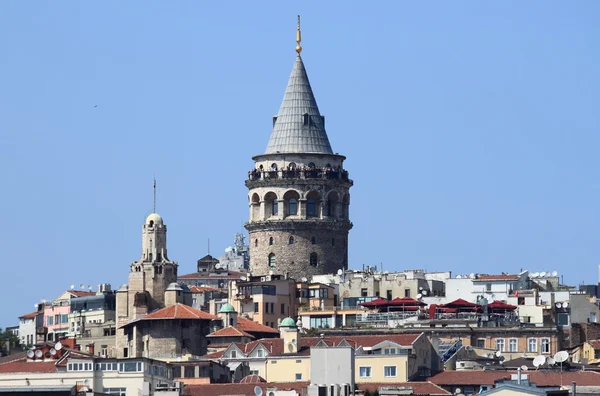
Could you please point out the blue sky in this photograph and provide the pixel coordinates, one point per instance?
(471, 131)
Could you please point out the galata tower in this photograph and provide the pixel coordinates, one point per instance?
(298, 191)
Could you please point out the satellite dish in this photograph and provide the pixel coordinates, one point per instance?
(565, 304)
(542, 274)
(419, 296)
(217, 266)
(539, 360)
(43, 301)
(90, 287)
(47, 355)
(38, 353)
(81, 286)
(535, 275)
(35, 306)
(271, 272)
(52, 351)
(472, 275)
(340, 272)
(72, 287)
(84, 389)
(457, 390)
(243, 278)
(458, 276)
(290, 347)
(498, 353)
(555, 273)
(258, 391)
(58, 346)
(424, 292)
(550, 361)
(524, 368)
(420, 287)
(501, 358)
(558, 305)
(304, 280)
(30, 354)
(561, 356)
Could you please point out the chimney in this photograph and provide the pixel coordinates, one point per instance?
(77, 347)
(90, 349)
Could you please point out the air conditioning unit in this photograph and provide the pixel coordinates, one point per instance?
(263, 278)
(268, 278)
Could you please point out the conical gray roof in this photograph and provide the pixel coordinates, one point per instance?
(299, 127)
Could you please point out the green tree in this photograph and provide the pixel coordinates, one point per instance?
(7, 336)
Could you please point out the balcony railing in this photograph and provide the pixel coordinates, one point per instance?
(317, 173)
(329, 308)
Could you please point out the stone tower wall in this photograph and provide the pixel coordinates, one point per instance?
(294, 259)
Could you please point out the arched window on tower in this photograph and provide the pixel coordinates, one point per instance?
(151, 224)
(293, 207)
(313, 240)
(314, 259)
(291, 240)
(332, 241)
(272, 260)
(270, 240)
(256, 242)
(311, 207)
(275, 207)
(274, 166)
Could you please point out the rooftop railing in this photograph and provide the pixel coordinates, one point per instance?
(308, 173)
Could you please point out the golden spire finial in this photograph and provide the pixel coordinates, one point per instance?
(298, 37)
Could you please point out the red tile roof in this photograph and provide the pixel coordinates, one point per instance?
(241, 389)
(230, 332)
(179, 311)
(418, 388)
(252, 326)
(202, 289)
(30, 315)
(252, 379)
(485, 277)
(275, 346)
(540, 378)
(595, 344)
(23, 366)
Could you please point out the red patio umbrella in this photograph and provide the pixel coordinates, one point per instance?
(406, 301)
(501, 306)
(460, 303)
(378, 302)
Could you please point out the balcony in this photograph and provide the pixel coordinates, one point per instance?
(256, 175)
(243, 297)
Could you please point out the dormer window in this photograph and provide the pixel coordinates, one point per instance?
(306, 119)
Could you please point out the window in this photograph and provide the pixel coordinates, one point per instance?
(272, 260)
(532, 345)
(104, 350)
(389, 371)
(500, 344)
(389, 351)
(311, 165)
(130, 367)
(254, 372)
(188, 372)
(233, 354)
(256, 242)
(275, 207)
(266, 307)
(259, 353)
(274, 166)
(320, 321)
(488, 287)
(298, 361)
(293, 207)
(313, 240)
(298, 376)
(313, 259)
(332, 241)
(291, 241)
(406, 292)
(255, 307)
(272, 307)
(388, 295)
(365, 372)
(283, 309)
(563, 319)
(50, 320)
(512, 345)
(481, 343)
(271, 241)
(363, 292)
(311, 207)
(593, 317)
(292, 165)
(116, 391)
(545, 345)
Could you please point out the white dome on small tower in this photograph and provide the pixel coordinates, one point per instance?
(154, 218)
